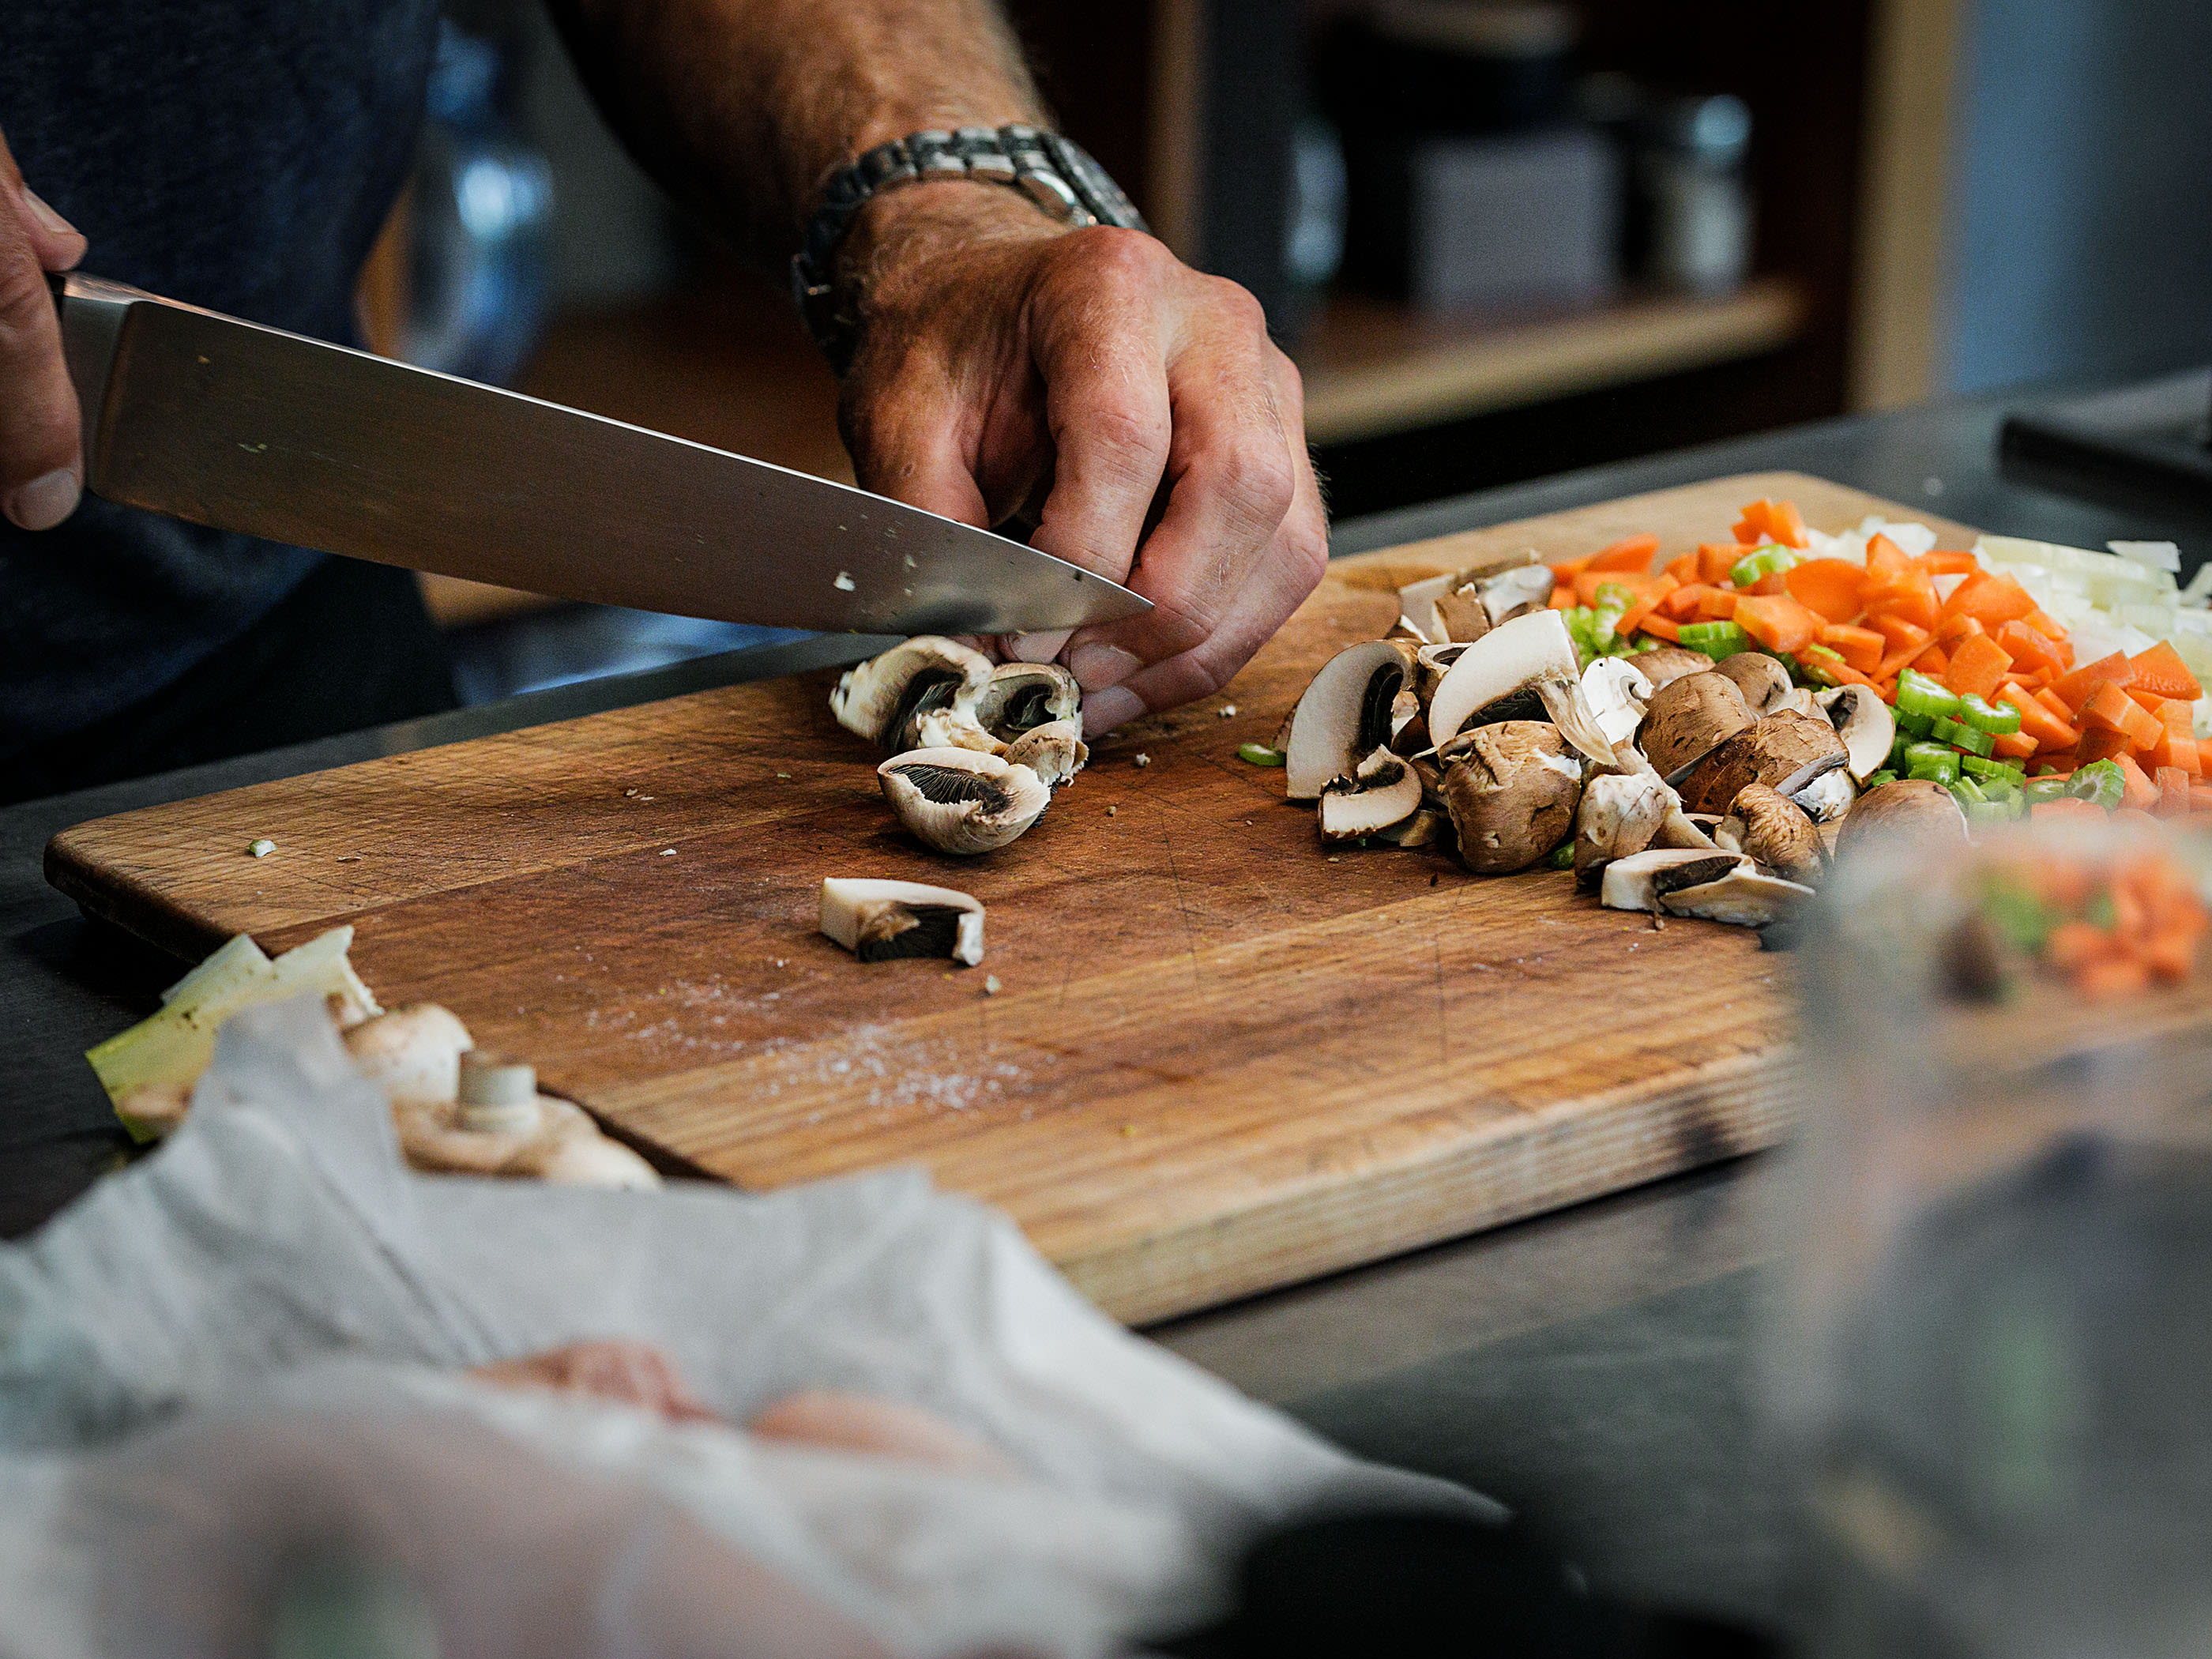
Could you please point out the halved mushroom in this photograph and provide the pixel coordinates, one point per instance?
(1511, 790)
(1777, 835)
(1764, 680)
(959, 801)
(1055, 751)
(413, 1052)
(1344, 716)
(1617, 691)
(1423, 609)
(1743, 897)
(881, 698)
(1829, 796)
(1666, 664)
(1786, 751)
(1509, 592)
(1382, 790)
(1409, 723)
(952, 728)
(1909, 809)
(1687, 720)
(1020, 696)
(1461, 616)
(1431, 663)
(1518, 670)
(881, 920)
(1638, 881)
(1797, 700)
(1426, 827)
(1865, 724)
(1620, 814)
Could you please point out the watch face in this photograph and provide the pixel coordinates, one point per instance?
(1092, 183)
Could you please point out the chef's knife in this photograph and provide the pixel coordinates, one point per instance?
(237, 426)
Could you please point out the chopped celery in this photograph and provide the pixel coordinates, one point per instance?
(1763, 562)
(1561, 857)
(1986, 812)
(1931, 761)
(2022, 919)
(1613, 602)
(1716, 639)
(2039, 790)
(1967, 792)
(2101, 783)
(1258, 754)
(1917, 726)
(2001, 719)
(1880, 778)
(1976, 766)
(1919, 694)
(1960, 735)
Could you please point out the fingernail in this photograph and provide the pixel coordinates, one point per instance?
(52, 220)
(1097, 666)
(1103, 711)
(46, 501)
(1037, 648)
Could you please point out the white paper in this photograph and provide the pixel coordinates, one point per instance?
(259, 1330)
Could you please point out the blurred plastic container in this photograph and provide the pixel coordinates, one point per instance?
(1994, 1355)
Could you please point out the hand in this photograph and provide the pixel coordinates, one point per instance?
(42, 465)
(1000, 353)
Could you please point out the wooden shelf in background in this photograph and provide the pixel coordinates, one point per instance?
(1372, 368)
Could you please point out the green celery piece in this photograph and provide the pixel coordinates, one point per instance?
(1878, 779)
(1258, 754)
(2036, 791)
(1967, 792)
(1986, 812)
(2001, 719)
(1716, 639)
(1979, 766)
(1917, 694)
(2022, 921)
(1960, 735)
(1932, 761)
(1914, 726)
(1761, 561)
(2101, 783)
(1561, 857)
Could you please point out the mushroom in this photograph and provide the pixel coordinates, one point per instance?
(1409, 723)
(1797, 700)
(961, 802)
(1382, 792)
(1764, 680)
(1743, 897)
(1786, 751)
(1462, 615)
(1687, 720)
(1511, 592)
(1828, 797)
(1423, 610)
(1055, 751)
(1431, 663)
(1909, 809)
(1697, 831)
(1637, 881)
(1511, 790)
(1777, 835)
(1617, 691)
(501, 1126)
(1865, 724)
(1020, 696)
(1665, 663)
(883, 920)
(881, 698)
(952, 728)
(1620, 814)
(1344, 716)
(1513, 672)
(414, 1052)
(1426, 827)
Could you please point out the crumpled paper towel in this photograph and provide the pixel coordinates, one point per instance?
(252, 1341)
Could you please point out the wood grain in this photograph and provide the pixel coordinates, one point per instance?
(1220, 1060)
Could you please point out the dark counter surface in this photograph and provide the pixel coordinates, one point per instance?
(1594, 1368)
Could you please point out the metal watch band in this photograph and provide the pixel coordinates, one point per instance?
(1054, 172)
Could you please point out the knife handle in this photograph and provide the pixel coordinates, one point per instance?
(93, 311)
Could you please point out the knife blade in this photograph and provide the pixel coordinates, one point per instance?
(241, 427)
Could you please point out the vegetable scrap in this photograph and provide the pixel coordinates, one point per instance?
(260, 848)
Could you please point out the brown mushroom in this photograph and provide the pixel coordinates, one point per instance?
(1908, 809)
(1687, 720)
(1511, 789)
(1764, 680)
(1786, 751)
(1670, 663)
(1777, 834)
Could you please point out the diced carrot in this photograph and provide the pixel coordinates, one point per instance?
(2172, 792)
(1587, 583)
(1566, 570)
(2176, 746)
(1933, 661)
(2171, 952)
(1633, 617)
(2074, 689)
(1938, 563)
(2147, 699)
(2111, 976)
(2037, 722)
(1631, 553)
(1773, 582)
(2030, 647)
(1778, 623)
(1718, 604)
(1563, 598)
(2100, 745)
(2110, 709)
(2051, 630)
(1978, 664)
(2142, 793)
(1829, 586)
(1896, 631)
(2049, 697)
(2034, 682)
(1913, 597)
(1772, 521)
(1990, 600)
(2067, 807)
(1664, 628)
(1684, 569)
(2016, 745)
(1948, 629)
(2161, 672)
(1716, 559)
(2200, 797)
(1859, 646)
(1681, 603)
(1886, 561)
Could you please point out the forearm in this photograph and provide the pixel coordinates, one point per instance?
(743, 108)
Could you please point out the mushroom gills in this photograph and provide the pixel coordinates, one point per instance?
(959, 801)
(1383, 791)
(1637, 881)
(886, 921)
(1617, 692)
(882, 698)
(1020, 696)
(1532, 654)
(1828, 797)
(1344, 716)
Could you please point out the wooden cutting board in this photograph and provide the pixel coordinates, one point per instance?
(1219, 1060)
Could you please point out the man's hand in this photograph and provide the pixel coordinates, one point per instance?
(1001, 354)
(41, 468)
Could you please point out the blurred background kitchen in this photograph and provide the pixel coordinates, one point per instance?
(1501, 239)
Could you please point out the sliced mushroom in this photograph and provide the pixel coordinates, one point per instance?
(1828, 797)
(1619, 815)
(959, 801)
(1383, 791)
(1865, 724)
(1797, 700)
(1687, 720)
(1785, 750)
(952, 728)
(413, 1052)
(1420, 603)
(1055, 751)
(1462, 615)
(1666, 664)
(1417, 607)
(1617, 691)
(1409, 723)
(1518, 668)
(1695, 831)
(1637, 881)
(1743, 898)
(1428, 826)
(1509, 592)
(550, 1140)
(881, 698)
(1431, 663)
(1907, 810)
(1511, 790)
(1020, 696)
(1764, 680)
(881, 920)
(1343, 718)
(1777, 835)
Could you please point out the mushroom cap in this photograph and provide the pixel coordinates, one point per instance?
(1344, 716)
(1511, 789)
(1689, 718)
(1666, 664)
(1764, 680)
(883, 920)
(1055, 751)
(1787, 750)
(1513, 657)
(1908, 809)
(880, 698)
(1418, 602)
(1827, 799)
(1743, 897)
(1508, 592)
(1461, 616)
(1020, 696)
(1617, 691)
(1635, 882)
(1866, 724)
(961, 802)
(1619, 815)
(1383, 791)
(414, 1052)
(1778, 835)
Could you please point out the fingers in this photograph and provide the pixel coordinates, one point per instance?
(41, 469)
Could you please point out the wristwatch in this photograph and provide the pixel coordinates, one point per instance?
(1052, 172)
